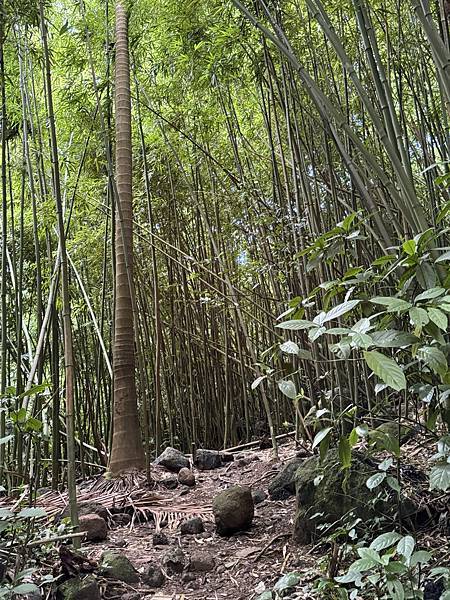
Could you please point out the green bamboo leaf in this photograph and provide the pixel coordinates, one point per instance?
(295, 325)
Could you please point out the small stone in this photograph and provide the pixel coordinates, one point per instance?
(192, 526)
(160, 539)
(170, 483)
(118, 566)
(94, 526)
(174, 560)
(201, 563)
(172, 459)
(122, 519)
(233, 510)
(80, 589)
(88, 508)
(259, 496)
(186, 477)
(153, 575)
(221, 569)
(206, 460)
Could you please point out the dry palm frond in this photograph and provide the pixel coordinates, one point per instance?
(126, 493)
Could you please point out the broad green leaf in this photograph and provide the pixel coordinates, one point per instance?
(443, 258)
(31, 513)
(362, 564)
(429, 294)
(392, 338)
(25, 588)
(433, 358)
(386, 464)
(418, 316)
(286, 582)
(349, 577)
(426, 276)
(338, 311)
(287, 388)
(409, 247)
(375, 480)
(369, 554)
(386, 369)
(385, 540)
(345, 452)
(440, 477)
(438, 317)
(315, 333)
(396, 590)
(322, 434)
(295, 325)
(405, 546)
(5, 513)
(393, 484)
(362, 430)
(361, 340)
(392, 304)
(420, 557)
(362, 326)
(396, 566)
(353, 437)
(289, 347)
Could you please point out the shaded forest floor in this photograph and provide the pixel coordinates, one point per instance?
(243, 562)
(144, 524)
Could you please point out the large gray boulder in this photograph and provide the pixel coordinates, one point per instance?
(323, 494)
(233, 510)
(206, 460)
(283, 485)
(172, 459)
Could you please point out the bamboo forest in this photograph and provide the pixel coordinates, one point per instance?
(225, 299)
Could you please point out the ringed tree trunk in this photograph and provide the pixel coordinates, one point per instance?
(127, 450)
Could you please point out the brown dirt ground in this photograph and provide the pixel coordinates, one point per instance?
(261, 554)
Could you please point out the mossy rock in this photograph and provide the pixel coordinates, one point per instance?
(118, 566)
(283, 485)
(79, 589)
(321, 492)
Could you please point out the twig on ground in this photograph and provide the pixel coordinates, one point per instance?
(271, 541)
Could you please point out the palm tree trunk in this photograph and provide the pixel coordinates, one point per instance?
(127, 450)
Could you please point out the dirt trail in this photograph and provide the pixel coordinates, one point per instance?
(244, 562)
